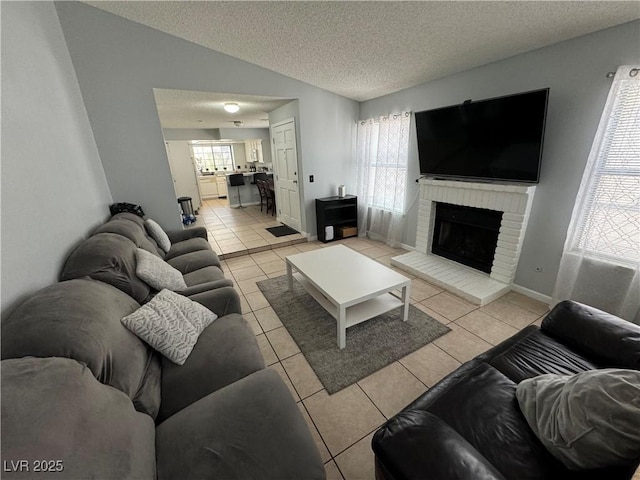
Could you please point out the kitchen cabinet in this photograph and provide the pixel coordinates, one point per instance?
(253, 149)
(222, 185)
(208, 186)
(213, 186)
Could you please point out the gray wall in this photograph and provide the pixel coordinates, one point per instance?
(191, 134)
(54, 190)
(119, 62)
(325, 150)
(575, 71)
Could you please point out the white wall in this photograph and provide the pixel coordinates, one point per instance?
(250, 134)
(575, 71)
(119, 62)
(54, 190)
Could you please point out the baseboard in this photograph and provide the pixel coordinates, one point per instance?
(312, 238)
(404, 246)
(532, 294)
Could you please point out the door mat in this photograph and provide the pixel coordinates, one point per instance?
(281, 231)
(371, 345)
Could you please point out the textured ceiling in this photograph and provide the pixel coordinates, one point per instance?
(363, 50)
(186, 109)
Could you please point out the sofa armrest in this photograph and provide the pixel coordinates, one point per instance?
(205, 287)
(416, 444)
(597, 334)
(251, 428)
(221, 301)
(176, 236)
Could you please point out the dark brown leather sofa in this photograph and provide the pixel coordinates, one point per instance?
(469, 425)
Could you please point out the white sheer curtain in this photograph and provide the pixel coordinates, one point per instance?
(600, 264)
(382, 153)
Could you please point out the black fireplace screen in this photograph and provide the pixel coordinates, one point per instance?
(466, 235)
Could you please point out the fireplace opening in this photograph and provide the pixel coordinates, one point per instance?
(466, 235)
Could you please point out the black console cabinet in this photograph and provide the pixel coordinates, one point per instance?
(341, 213)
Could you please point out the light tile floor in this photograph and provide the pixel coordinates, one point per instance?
(343, 424)
(240, 231)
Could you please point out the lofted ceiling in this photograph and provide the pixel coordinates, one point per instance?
(366, 49)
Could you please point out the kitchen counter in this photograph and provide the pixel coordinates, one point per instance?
(249, 194)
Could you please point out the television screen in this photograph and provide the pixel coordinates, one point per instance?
(498, 139)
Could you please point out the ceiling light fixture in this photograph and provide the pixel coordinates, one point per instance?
(231, 107)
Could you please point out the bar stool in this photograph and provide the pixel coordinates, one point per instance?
(237, 180)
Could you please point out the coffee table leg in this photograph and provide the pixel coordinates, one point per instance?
(405, 299)
(289, 276)
(342, 327)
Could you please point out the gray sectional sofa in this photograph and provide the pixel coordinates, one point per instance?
(89, 398)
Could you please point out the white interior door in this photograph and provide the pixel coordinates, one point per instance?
(185, 181)
(283, 138)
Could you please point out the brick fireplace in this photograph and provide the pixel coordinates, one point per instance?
(513, 201)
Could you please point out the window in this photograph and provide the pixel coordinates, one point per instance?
(607, 213)
(209, 157)
(382, 156)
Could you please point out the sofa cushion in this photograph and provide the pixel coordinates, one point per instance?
(187, 246)
(80, 319)
(158, 234)
(249, 429)
(171, 324)
(139, 221)
(158, 273)
(190, 262)
(54, 409)
(226, 351)
(130, 230)
(110, 258)
(531, 352)
(203, 275)
(589, 420)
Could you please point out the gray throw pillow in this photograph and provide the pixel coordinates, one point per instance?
(171, 324)
(158, 234)
(589, 420)
(156, 272)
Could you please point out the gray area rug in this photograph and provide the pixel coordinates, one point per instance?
(371, 345)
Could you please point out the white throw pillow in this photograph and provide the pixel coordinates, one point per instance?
(171, 324)
(158, 234)
(156, 272)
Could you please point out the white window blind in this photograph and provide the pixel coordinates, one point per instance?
(607, 222)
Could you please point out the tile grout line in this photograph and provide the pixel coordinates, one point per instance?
(410, 372)
(318, 430)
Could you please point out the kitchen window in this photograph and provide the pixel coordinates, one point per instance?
(209, 158)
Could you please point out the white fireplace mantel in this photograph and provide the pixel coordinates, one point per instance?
(515, 203)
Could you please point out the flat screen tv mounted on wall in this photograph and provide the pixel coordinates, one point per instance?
(499, 139)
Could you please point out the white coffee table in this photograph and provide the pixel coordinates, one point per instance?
(350, 286)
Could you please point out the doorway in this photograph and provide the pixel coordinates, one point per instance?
(283, 139)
